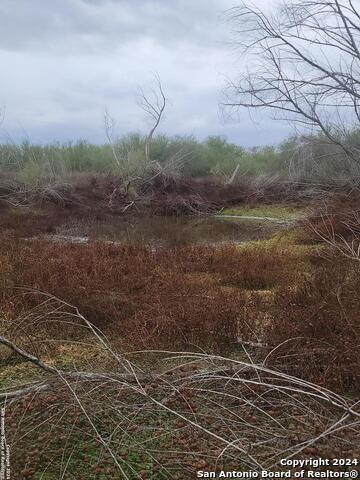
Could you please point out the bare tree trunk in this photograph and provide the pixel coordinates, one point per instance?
(154, 108)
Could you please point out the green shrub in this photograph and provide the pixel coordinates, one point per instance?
(299, 157)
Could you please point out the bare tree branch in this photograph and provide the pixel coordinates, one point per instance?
(305, 65)
(154, 106)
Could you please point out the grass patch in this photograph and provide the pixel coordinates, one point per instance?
(14, 375)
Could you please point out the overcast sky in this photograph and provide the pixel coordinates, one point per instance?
(64, 61)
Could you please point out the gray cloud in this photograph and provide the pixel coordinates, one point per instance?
(100, 25)
(64, 60)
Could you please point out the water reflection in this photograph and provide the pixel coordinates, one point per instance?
(173, 230)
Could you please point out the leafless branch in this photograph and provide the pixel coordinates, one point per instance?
(304, 64)
(243, 411)
(154, 106)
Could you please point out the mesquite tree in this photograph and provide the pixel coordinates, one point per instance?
(303, 64)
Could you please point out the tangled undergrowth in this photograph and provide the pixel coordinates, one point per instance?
(317, 329)
(194, 295)
(158, 194)
(264, 319)
(338, 218)
(159, 415)
(270, 292)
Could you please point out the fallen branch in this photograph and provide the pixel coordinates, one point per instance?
(27, 356)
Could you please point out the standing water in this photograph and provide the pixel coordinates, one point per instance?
(171, 231)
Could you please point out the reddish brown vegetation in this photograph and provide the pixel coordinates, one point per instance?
(143, 296)
(322, 317)
(321, 313)
(338, 217)
(173, 297)
(202, 296)
(188, 195)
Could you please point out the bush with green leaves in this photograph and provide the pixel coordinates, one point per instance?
(300, 158)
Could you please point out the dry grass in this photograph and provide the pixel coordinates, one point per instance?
(163, 415)
(317, 323)
(199, 296)
(180, 296)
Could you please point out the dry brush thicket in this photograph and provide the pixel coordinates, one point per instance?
(180, 359)
(164, 414)
(161, 193)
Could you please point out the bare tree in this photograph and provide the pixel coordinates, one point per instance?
(109, 125)
(303, 64)
(154, 106)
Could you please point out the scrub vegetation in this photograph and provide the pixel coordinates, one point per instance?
(156, 363)
(128, 360)
(300, 158)
(124, 359)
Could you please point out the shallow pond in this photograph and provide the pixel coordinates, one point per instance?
(159, 230)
